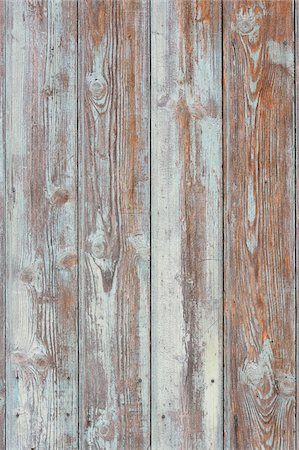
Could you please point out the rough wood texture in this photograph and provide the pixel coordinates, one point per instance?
(120, 185)
(259, 225)
(41, 121)
(2, 224)
(186, 225)
(114, 224)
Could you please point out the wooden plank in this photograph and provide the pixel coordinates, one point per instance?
(41, 126)
(296, 45)
(259, 225)
(2, 224)
(186, 225)
(114, 224)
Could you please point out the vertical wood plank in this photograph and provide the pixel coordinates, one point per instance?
(259, 224)
(41, 127)
(2, 223)
(186, 225)
(296, 41)
(114, 224)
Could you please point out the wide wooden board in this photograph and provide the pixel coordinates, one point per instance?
(41, 230)
(259, 175)
(186, 155)
(114, 214)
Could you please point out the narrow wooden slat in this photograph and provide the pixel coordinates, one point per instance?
(41, 122)
(296, 42)
(114, 224)
(259, 224)
(2, 224)
(186, 225)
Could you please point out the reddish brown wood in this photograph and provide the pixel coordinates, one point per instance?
(259, 266)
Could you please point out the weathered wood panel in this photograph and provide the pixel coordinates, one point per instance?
(41, 123)
(186, 225)
(42, 218)
(114, 224)
(2, 224)
(259, 225)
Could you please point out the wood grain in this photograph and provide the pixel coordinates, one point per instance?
(186, 225)
(259, 225)
(2, 224)
(114, 224)
(138, 139)
(41, 175)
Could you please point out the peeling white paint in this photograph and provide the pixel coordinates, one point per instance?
(251, 205)
(281, 54)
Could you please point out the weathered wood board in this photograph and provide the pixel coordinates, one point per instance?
(114, 217)
(259, 175)
(41, 225)
(186, 155)
(148, 224)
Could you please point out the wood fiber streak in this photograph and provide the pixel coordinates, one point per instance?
(2, 224)
(259, 268)
(41, 122)
(186, 225)
(114, 224)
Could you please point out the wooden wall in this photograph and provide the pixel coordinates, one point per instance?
(148, 224)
